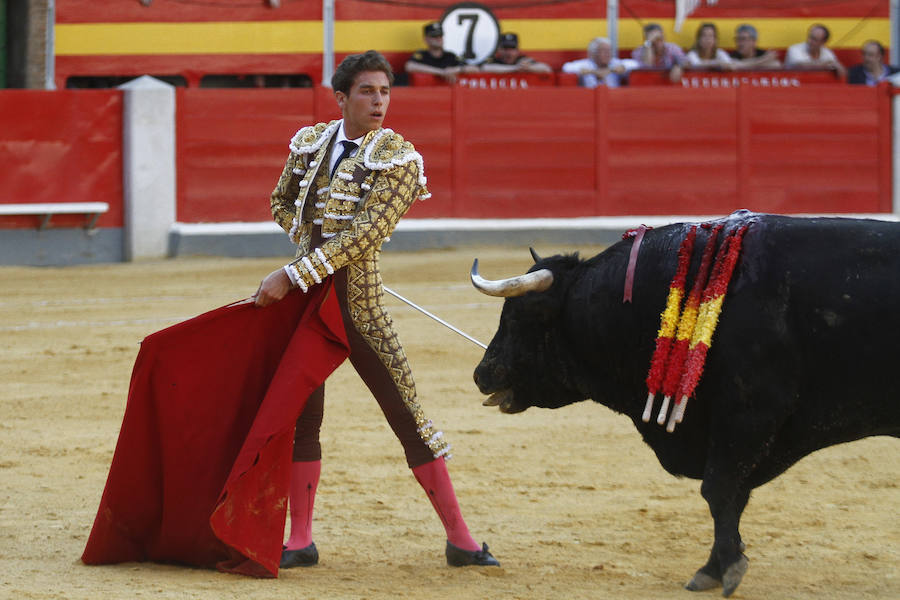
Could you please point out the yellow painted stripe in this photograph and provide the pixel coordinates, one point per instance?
(259, 37)
(286, 37)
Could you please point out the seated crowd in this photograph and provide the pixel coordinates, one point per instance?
(601, 67)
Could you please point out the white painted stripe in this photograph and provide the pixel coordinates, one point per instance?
(55, 208)
(581, 223)
(622, 223)
(225, 228)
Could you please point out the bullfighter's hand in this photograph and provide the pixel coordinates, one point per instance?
(273, 288)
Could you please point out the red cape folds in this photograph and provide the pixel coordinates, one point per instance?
(201, 470)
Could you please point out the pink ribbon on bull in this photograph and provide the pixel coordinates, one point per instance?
(638, 235)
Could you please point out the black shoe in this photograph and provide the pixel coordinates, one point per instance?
(457, 557)
(304, 557)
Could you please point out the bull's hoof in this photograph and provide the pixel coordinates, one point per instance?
(701, 581)
(733, 576)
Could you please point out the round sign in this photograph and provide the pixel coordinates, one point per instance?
(471, 31)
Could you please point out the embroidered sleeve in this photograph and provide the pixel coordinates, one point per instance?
(393, 192)
(286, 191)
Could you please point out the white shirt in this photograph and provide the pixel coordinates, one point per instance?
(338, 147)
(694, 59)
(590, 80)
(798, 54)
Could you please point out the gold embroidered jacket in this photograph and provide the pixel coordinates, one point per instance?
(357, 209)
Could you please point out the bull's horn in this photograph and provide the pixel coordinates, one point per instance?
(538, 281)
(534, 255)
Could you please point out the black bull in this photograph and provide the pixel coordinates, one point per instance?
(804, 355)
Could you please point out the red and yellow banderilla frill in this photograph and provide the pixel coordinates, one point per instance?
(669, 320)
(676, 367)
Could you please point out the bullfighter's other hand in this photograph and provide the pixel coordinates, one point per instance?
(273, 288)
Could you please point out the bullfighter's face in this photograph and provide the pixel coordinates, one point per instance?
(365, 106)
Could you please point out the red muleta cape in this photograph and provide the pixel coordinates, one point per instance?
(201, 470)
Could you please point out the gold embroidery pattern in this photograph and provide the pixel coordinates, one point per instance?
(358, 208)
(286, 191)
(365, 298)
(390, 197)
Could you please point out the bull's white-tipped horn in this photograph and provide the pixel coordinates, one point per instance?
(538, 281)
(534, 255)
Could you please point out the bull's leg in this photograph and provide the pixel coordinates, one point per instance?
(727, 563)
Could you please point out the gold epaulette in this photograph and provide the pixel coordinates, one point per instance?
(310, 138)
(387, 149)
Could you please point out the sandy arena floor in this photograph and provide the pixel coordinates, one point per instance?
(571, 501)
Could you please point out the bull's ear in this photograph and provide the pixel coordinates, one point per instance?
(534, 255)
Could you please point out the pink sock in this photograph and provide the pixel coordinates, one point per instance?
(435, 480)
(304, 481)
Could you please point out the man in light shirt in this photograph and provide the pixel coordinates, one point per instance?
(600, 67)
(813, 54)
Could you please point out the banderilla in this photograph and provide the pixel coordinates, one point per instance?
(435, 317)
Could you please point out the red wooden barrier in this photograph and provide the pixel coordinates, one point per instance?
(672, 151)
(523, 153)
(539, 152)
(808, 150)
(63, 146)
(231, 146)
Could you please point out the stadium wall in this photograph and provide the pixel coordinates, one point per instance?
(538, 162)
(123, 37)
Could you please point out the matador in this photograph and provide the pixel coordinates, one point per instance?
(344, 187)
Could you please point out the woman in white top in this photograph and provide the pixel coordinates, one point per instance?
(706, 53)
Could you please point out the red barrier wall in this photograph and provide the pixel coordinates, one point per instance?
(61, 146)
(540, 152)
(524, 153)
(815, 151)
(559, 152)
(230, 144)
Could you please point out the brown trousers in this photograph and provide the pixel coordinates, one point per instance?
(377, 378)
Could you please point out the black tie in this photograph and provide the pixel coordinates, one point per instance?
(348, 148)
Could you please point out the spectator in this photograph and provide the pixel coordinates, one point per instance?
(706, 53)
(508, 58)
(434, 59)
(812, 54)
(600, 67)
(657, 53)
(747, 55)
(872, 69)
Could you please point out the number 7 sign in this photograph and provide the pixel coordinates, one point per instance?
(471, 31)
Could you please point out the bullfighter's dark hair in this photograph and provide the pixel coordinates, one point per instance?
(353, 65)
